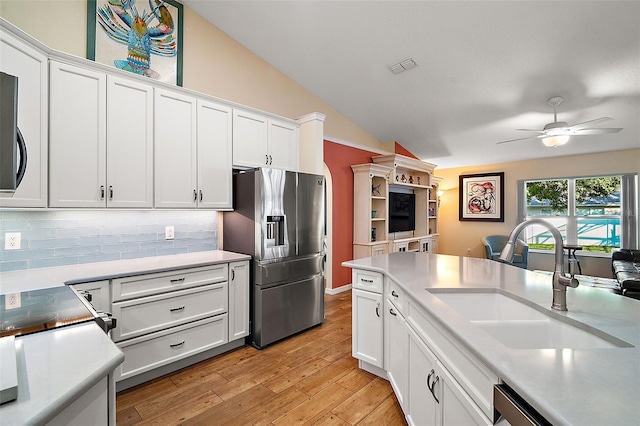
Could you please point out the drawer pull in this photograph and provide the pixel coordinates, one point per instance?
(181, 308)
(394, 294)
(393, 313)
(366, 281)
(177, 280)
(177, 345)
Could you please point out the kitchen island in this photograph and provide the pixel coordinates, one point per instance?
(587, 386)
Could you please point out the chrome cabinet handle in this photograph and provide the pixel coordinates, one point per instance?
(110, 192)
(176, 345)
(195, 195)
(433, 387)
(201, 195)
(102, 192)
(394, 294)
(377, 310)
(393, 313)
(181, 308)
(177, 280)
(266, 159)
(270, 160)
(233, 274)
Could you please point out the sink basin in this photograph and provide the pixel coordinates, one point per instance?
(520, 324)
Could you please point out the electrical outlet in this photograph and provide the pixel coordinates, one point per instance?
(12, 241)
(12, 301)
(168, 233)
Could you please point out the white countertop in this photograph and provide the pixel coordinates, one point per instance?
(566, 386)
(56, 367)
(34, 279)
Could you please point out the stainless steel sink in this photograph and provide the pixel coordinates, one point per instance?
(520, 324)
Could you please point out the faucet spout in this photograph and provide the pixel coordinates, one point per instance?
(560, 280)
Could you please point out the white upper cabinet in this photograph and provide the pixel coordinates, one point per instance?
(77, 137)
(29, 64)
(283, 145)
(175, 150)
(259, 141)
(250, 135)
(129, 143)
(192, 152)
(214, 134)
(101, 140)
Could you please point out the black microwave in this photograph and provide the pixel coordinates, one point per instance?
(13, 150)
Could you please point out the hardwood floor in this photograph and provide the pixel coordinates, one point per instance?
(307, 379)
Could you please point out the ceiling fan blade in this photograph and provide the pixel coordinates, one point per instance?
(590, 122)
(531, 130)
(596, 131)
(519, 139)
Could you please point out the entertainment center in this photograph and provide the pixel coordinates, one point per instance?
(395, 206)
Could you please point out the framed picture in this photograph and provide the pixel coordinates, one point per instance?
(482, 197)
(143, 37)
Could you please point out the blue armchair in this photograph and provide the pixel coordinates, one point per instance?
(493, 245)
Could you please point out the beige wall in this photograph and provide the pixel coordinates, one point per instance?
(457, 236)
(214, 63)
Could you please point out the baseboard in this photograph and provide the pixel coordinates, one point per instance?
(340, 289)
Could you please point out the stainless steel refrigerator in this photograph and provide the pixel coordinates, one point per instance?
(278, 220)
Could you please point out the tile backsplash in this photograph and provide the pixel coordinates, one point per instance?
(56, 238)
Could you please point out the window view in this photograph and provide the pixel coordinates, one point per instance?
(586, 211)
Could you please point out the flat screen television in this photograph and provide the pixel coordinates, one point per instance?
(402, 212)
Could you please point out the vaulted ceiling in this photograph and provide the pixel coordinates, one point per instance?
(484, 68)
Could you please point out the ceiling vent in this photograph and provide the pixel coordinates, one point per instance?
(404, 65)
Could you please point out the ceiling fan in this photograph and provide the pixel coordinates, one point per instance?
(557, 133)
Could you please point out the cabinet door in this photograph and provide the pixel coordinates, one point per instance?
(77, 137)
(175, 150)
(457, 406)
(30, 66)
(401, 247)
(129, 143)
(397, 338)
(367, 327)
(283, 145)
(422, 405)
(214, 156)
(238, 300)
(100, 294)
(378, 249)
(249, 140)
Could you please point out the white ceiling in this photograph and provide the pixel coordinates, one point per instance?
(485, 68)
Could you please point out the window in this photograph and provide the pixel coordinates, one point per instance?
(597, 213)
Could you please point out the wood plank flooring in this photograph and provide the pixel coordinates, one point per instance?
(307, 379)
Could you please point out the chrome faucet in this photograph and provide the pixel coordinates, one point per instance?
(560, 280)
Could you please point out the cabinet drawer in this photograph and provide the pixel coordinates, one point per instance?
(396, 296)
(147, 285)
(474, 377)
(153, 313)
(364, 280)
(152, 351)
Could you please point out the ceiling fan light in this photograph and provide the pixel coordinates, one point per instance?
(555, 141)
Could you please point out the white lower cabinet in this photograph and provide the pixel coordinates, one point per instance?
(166, 317)
(435, 379)
(396, 353)
(422, 407)
(238, 300)
(145, 353)
(92, 408)
(367, 327)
